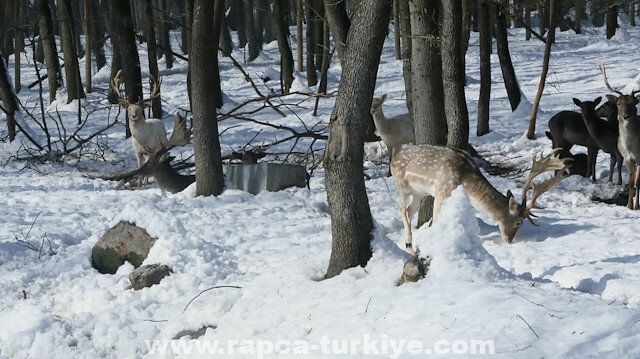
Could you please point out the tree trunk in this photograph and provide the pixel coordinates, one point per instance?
(553, 10)
(203, 63)
(632, 13)
(310, 36)
(336, 12)
(19, 32)
(351, 221)
(8, 99)
(69, 50)
(186, 30)
(508, 73)
(299, 33)
(163, 27)
(286, 57)
(579, 5)
(427, 89)
(88, 38)
(611, 19)
(123, 38)
(405, 29)
(45, 25)
(453, 76)
(150, 34)
(252, 36)
(484, 27)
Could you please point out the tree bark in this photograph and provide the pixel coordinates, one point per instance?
(8, 99)
(88, 38)
(336, 12)
(45, 25)
(124, 42)
(299, 33)
(405, 29)
(150, 34)
(70, 52)
(611, 19)
(453, 76)
(351, 221)
(286, 56)
(427, 89)
(484, 27)
(251, 31)
(502, 45)
(203, 63)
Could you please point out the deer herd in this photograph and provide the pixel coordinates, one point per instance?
(422, 170)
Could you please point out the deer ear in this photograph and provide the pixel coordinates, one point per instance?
(597, 101)
(577, 102)
(548, 135)
(612, 98)
(513, 204)
(124, 103)
(383, 98)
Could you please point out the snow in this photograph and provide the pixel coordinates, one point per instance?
(249, 268)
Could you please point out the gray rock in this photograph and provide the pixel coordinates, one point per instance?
(414, 269)
(124, 242)
(147, 275)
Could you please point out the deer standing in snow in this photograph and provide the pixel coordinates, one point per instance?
(148, 135)
(629, 140)
(421, 170)
(394, 131)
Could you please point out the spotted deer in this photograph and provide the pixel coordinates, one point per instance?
(629, 139)
(422, 170)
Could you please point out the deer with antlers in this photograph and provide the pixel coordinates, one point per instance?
(629, 137)
(149, 135)
(422, 170)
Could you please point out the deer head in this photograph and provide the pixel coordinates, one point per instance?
(135, 110)
(626, 103)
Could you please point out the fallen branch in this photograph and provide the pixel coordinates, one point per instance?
(208, 289)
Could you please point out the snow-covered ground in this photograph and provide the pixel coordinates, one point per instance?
(569, 288)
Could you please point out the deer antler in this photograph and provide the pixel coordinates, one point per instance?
(544, 164)
(115, 83)
(181, 135)
(155, 88)
(606, 81)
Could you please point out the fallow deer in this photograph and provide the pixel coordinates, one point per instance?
(394, 131)
(605, 133)
(629, 139)
(148, 135)
(421, 170)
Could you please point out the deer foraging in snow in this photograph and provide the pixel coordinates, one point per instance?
(566, 128)
(148, 135)
(422, 170)
(394, 131)
(629, 139)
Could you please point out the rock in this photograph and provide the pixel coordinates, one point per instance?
(147, 275)
(124, 242)
(414, 269)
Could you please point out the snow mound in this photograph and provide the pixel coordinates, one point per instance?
(455, 246)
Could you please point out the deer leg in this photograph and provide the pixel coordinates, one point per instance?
(619, 162)
(612, 164)
(637, 192)
(140, 158)
(631, 170)
(592, 156)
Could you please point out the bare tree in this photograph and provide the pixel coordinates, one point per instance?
(69, 50)
(203, 64)
(45, 26)
(8, 99)
(286, 56)
(553, 10)
(152, 47)
(351, 221)
(484, 28)
(502, 45)
(453, 76)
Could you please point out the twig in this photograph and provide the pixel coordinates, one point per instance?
(541, 305)
(208, 289)
(525, 322)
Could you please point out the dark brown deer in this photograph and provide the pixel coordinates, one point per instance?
(605, 133)
(422, 170)
(167, 178)
(629, 139)
(566, 128)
